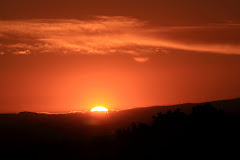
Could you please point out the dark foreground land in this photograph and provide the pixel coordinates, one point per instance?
(148, 133)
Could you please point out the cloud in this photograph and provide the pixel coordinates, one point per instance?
(26, 52)
(141, 59)
(112, 35)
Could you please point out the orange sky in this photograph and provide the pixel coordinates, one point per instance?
(59, 56)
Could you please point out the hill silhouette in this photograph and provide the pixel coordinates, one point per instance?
(139, 133)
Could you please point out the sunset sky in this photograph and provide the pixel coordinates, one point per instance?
(72, 55)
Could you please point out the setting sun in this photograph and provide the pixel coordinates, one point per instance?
(114, 79)
(99, 109)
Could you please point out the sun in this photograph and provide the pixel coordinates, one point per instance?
(99, 109)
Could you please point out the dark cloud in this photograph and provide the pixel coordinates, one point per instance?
(164, 12)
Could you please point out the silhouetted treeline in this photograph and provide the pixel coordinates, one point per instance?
(172, 134)
(205, 128)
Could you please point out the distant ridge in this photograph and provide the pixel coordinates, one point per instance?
(89, 125)
(228, 105)
(143, 114)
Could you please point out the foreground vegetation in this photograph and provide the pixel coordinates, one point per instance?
(205, 130)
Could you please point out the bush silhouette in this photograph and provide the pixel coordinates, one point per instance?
(62, 136)
(205, 128)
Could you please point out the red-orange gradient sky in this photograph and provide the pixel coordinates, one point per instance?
(60, 56)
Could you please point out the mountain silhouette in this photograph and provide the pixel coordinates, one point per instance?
(140, 133)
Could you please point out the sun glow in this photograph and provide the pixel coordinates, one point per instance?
(99, 109)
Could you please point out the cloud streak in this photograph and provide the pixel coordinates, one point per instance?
(108, 35)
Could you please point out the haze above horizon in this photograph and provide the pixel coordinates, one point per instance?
(60, 56)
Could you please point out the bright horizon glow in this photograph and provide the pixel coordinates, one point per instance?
(106, 53)
(99, 109)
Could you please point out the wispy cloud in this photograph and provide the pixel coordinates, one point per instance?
(106, 35)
